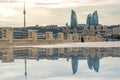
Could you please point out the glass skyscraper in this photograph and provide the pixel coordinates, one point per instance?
(74, 64)
(73, 20)
(92, 19)
(95, 19)
(89, 21)
(93, 63)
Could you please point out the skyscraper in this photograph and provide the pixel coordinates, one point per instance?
(89, 21)
(95, 19)
(73, 19)
(93, 63)
(92, 20)
(74, 64)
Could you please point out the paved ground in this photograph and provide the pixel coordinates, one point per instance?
(78, 44)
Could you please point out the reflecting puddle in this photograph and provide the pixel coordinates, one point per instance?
(72, 63)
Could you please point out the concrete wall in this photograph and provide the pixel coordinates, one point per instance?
(49, 36)
(7, 54)
(7, 38)
(7, 34)
(95, 38)
(60, 36)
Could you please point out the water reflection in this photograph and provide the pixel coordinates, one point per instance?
(92, 55)
(74, 63)
(93, 63)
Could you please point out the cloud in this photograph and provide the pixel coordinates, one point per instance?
(65, 3)
(6, 11)
(76, 3)
(45, 12)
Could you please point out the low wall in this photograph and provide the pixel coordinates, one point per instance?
(18, 42)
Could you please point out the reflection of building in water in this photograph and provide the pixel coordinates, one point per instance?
(116, 52)
(93, 63)
(60, 50)
(69, 49)
(32, 52)
(74, 63)
(49, 51)
(7, 55)
(92, 55)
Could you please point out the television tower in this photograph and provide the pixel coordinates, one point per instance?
(25, 67)
(24, 12)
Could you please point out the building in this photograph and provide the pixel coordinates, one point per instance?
(74, 23)
(95, 20)
(74, 63)
(93, 63)
(92, 20)
(88, 21)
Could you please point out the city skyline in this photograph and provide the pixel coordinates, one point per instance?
(58, 12)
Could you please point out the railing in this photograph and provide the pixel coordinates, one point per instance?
(20, 34)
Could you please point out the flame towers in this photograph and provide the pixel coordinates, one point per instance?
(92, 20)
(95, 19)
(73, 20)
(89, 22)
(74, 64)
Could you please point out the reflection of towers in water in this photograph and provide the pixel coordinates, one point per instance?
(74, 63)
(93, 62)
(25, 67)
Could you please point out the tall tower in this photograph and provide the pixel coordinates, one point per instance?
(95, 19)
(24, 12)
(73, 19)
(89, 21)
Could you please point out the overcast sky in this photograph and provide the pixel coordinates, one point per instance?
(46, 12)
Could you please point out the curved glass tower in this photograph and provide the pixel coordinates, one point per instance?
(93, 63)
(95, 19)
(73, 19)
(89, 21)
(74, 64)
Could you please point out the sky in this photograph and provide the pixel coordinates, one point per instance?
(60, 70)
(57, 12)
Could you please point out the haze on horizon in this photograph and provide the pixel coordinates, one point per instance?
(58, 12)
